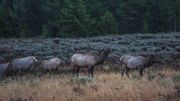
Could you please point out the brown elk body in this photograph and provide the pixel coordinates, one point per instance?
(88, 61)
(136, 63)
(51, 64)
(21, 64)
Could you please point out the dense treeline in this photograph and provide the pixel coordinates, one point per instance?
(75, 18)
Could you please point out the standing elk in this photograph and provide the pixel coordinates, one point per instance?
(88, 61)
(51, 64)
(136, 63)
(21, 64)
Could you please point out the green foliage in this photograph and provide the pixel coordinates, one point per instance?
(45, 31)
(83, 18)
(108, 24)
(75, 18)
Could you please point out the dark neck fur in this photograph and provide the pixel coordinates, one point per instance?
(102, 57)
(150, 62)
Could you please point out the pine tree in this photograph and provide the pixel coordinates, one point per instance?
(7, 25)
(33, 17)
(75, 19)
(108, 24)
(82, 18)
(45, 31)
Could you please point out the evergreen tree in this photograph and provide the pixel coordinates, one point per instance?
(82, 18)
(108, 24)
(51, 10)
(75, 18)
(34, 16)
(96, 9)
(7, 25)
(130, 15)
(45, 31)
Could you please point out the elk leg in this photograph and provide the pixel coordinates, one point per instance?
(141, 71)
(77, 70)
(127, 72)
(122, 71)
(89, 71)
(92, 71)
(74, 70)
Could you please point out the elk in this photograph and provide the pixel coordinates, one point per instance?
(136, 63)
(21, 64)
(51, 64)
(88, 61)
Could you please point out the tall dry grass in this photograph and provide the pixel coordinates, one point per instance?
(154, 86)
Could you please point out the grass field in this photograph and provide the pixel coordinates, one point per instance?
(161, 85)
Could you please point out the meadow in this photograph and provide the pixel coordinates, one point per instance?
(107, 85)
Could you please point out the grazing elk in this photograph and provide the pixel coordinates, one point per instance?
(136, 63)
(51, 64)
(21, 64)
(3, 67)
(88, 61)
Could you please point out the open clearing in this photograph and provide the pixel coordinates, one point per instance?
(161, 85)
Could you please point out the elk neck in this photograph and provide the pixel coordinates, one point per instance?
(102, 57)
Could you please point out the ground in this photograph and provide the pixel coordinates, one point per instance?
(156, 85)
